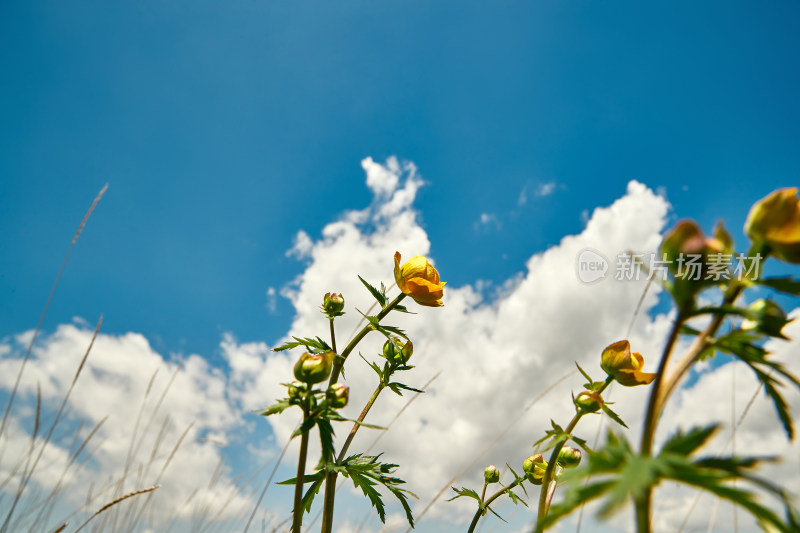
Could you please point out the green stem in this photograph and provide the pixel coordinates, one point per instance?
(361, 418)
(482, 509)
(544, 501)
(333, 336)
(661, 390)
(330, 477)
(337, 365)
(297, 510)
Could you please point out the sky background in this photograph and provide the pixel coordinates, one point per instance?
(493, 138)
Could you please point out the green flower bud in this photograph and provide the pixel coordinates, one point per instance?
(314, 368)
(400, 357)
(337, 395)
(491, 474)
(332, 304)
(569, 457)
(296, 390)
(589, 402)
(534, 468)
(766, 317)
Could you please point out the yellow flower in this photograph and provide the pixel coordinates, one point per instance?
(418, 279)
(624, 366)
(775, 223)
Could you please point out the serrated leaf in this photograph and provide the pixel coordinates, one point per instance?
(313, 346)
(687, 443)
(276, 408)
(378, 295)
(464, 492)
(366, 472)
(326, 441)
(313, 490)
(306, 426)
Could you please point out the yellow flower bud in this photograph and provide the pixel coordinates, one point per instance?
(534, 468)
(624, 366)
(589, 402)
(774, 223)
(491, 474)
(401, 356)
(418, 279)
(314, 368)
(337, 395)
(569, 457)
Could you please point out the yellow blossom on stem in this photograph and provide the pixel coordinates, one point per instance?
(418, 279)
(774, 222)
(625, 366)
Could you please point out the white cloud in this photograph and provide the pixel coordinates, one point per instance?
(546, 189)
(142, 404)
(486, 221)
(495, 356)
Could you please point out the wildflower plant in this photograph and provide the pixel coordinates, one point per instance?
(417, 279)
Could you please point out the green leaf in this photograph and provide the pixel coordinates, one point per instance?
(687, 443)
(306, 426)
(276, 408)
(326, 441)
(613, 416)
(308, 478)
(374, 367)
(517, 479)
(584, 374)
(313, 490)
(378, 295)
(739, 344)
(787, 285)
(396, 386)
(516, 499)
(466, 493)
(366, 472)
(313, 346)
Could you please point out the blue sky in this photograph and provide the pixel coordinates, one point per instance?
(223, 129)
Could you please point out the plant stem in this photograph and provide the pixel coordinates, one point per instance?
(337, 365)
(481, 510)
(663, 387)
(361, 418)
(330, 477)
(333, 336)
(548, 474)
(544, 501)
(297, 510)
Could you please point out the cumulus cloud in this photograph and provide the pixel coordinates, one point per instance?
(148, 421)
(493, 356)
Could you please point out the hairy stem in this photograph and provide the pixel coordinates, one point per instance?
(333, 336)
(330, 477)
(481, 510)
(297, 510)
(545, 496)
